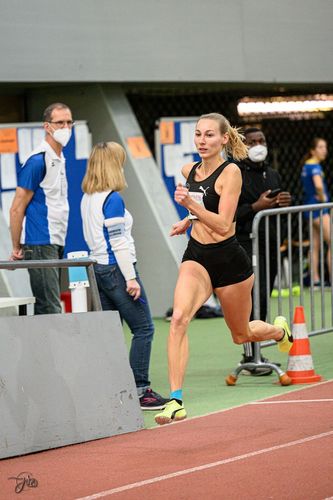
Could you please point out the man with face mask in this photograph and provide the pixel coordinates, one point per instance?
(39, 212)
(259, 181)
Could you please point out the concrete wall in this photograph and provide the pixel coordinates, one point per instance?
(64, 379)
(154, 40)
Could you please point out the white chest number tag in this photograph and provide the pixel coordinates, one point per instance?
(198, 198)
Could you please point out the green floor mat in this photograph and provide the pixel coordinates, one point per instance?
(212, 357)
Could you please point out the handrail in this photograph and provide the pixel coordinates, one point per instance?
(257, 359)
(298, 209)
(60, 263)
(294, 209)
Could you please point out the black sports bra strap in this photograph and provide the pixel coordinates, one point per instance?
(213, 176)
(219, 170)
(192, 171)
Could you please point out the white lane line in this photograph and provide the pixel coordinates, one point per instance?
(217, 412)
(184, 472)
(291, 401)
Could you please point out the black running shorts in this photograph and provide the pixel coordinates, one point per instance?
(226, 262)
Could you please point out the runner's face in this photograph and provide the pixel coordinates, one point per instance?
(208, 139)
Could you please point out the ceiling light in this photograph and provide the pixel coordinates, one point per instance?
(277, 106)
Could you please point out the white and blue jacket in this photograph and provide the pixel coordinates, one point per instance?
(46, 216)
(107, 229)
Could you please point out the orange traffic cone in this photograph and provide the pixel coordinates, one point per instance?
(300, 366)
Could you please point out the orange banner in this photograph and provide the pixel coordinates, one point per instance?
(8, 140)
(167, 133)
(138, 147)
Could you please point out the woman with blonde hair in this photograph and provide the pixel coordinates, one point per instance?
(213, 259)
(107, 228)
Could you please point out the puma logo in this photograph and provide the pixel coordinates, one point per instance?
(204, 190)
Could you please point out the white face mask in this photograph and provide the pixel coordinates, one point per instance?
(62, 135)
(258, 153)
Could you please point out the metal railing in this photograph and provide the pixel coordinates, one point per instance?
(291, 271)
(290, 274)
(63, 263)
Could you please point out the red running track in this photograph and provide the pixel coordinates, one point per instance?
(279, 448)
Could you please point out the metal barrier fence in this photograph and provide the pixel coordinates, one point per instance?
(63, 263)
(291, 269)
(289, 289)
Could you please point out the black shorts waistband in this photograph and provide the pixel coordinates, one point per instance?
(219, 244)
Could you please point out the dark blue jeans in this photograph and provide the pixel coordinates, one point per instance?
(136, 313)
(45, 283)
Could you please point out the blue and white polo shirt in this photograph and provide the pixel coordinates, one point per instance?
(310, 169)
(46, 216)
(107, 226)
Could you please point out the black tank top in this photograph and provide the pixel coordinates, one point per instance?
(206, 188)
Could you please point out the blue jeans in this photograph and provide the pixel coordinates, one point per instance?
(45, 283)
(136, 313)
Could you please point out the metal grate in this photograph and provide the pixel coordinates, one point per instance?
(288, 139)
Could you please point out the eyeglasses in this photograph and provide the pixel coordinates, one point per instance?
(62, 123)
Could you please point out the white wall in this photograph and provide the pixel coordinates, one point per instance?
(174, 40)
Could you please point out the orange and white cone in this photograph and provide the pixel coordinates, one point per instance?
(300, 365)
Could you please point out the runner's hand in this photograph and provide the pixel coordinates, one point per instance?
(180, 227)
(181, 195)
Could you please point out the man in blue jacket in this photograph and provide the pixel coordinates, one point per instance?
(39, 212)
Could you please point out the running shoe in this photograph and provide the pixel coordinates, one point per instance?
(285, 344)
(151, 400)
(173, 411)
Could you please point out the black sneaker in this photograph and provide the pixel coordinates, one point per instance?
(257, 371)
(168, 314)
(151, 400)
(266, 360)
(205, 312)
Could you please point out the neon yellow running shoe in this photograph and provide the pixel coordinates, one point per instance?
(285, 344)
(173, 411)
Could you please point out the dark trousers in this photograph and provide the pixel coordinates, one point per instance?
(45, 283)
(247, 245)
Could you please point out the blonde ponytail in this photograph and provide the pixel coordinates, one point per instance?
(235, 146)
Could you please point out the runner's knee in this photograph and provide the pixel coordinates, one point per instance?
(180, 317)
